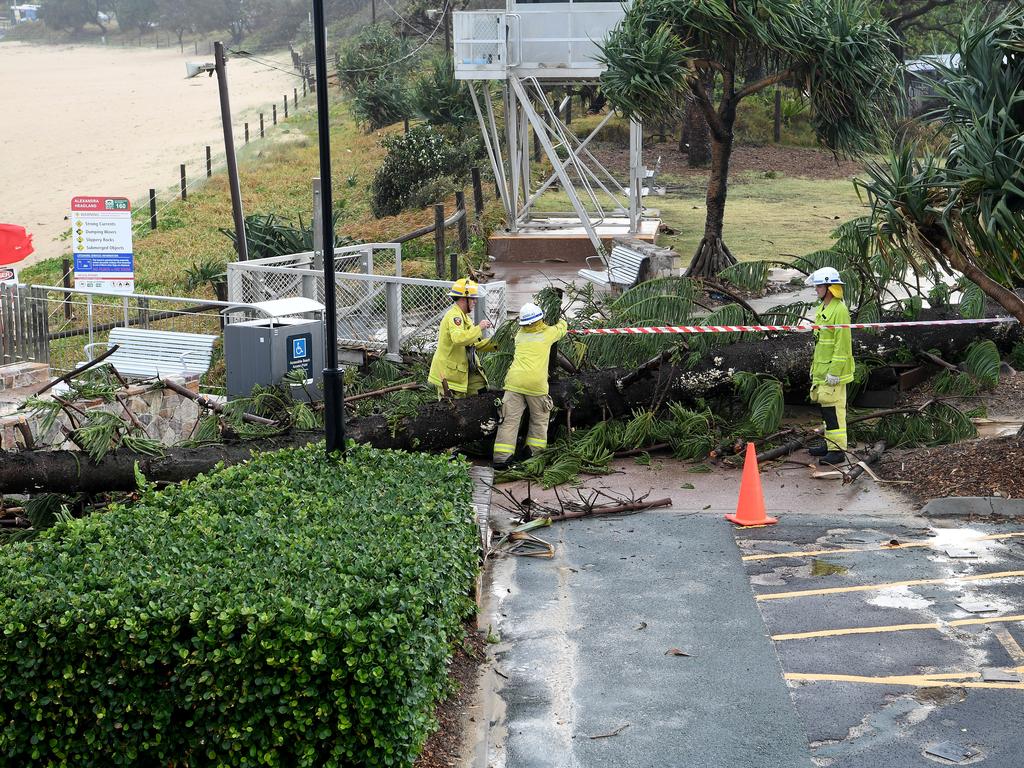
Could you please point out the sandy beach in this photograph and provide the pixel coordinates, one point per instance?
(87, 120)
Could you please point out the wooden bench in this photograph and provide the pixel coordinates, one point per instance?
(145, 354)
(625, 269)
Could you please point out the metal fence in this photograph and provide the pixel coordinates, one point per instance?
(75, 318)
(385, 313)
(382, 313)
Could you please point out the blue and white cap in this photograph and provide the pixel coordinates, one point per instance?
(824, 276)
(530, 313)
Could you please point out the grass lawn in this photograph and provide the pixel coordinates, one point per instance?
(764, 218)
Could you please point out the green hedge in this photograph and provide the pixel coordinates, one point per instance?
(294, 611)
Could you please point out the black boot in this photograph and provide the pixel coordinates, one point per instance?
(833, 458)
(817, 448)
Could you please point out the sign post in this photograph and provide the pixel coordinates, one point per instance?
(101, 243)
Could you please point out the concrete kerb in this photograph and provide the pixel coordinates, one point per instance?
(973, 506)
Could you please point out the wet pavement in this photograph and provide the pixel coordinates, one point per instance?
(899, 661)
(891, 651)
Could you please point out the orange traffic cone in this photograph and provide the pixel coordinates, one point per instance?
(750, 510)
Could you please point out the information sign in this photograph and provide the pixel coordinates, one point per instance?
(101, 237)
(300, 354)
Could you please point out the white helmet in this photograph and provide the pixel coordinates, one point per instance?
(530, 313)
(824, 276)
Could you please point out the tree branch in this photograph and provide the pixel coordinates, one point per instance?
(71, 374)
(701, 98)
(765, 82)
(897, 22)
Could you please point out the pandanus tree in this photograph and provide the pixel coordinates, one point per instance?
(838, 53)
(960, 208)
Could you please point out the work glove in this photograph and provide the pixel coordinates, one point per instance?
(831, 380)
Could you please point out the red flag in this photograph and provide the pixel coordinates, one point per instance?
(15, 243)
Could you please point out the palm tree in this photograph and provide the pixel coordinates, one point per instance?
(837, 52)
(961, 208)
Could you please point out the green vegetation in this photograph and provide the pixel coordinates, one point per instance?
(664, 53)
(961, 206)
(372, 72)
(421, 166)
(293, 611)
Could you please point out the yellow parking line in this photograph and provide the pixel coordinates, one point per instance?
(880, 548)
(956, 680)
(1008, 642)
(887, 585)
(903, 628)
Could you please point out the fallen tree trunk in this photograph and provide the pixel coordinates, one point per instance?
(587, 398)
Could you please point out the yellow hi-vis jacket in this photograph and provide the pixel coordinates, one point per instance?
(528, 374)
(455, 335)
(833, 350)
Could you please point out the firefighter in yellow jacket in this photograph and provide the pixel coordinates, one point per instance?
(526, 385)
(459, 340)
(832, 364)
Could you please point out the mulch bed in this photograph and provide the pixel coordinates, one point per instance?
(990, 467)
(444, 747)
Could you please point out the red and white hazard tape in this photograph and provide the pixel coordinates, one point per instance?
(655, 329)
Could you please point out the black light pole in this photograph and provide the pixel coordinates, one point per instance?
(334, 405)
(229, 150)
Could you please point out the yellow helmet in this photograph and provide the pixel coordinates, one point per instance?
(464, 288)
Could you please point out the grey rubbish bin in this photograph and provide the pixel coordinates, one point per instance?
(263, 351)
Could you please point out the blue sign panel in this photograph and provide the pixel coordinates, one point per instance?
(299, 354)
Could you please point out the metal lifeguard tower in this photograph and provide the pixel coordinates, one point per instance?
(528, 46)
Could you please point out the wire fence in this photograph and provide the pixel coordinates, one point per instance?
(375, 312)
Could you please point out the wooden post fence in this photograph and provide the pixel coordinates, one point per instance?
(478, 193)
(152, 208)
(439, 240)
(24, 324)
(460, 206)
(209, 162)
(66, 282)
(777, 127)
(184, 184)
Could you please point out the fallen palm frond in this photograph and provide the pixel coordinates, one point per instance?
(584, 503)
(519, 541)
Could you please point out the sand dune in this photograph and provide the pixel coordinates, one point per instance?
(87, 120)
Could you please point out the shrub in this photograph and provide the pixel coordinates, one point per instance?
(440, 99)
(413, 160)
(380, 101)
(271, 235)
(372, 72)
(294, 611)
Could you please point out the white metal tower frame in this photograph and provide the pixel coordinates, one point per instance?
(525, 47)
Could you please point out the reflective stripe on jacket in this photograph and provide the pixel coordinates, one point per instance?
(455, 335)
(833, 349)
(528, 374)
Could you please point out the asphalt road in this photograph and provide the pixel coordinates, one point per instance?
(583, 678)
(886, 649)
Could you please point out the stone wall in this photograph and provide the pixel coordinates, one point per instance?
(21, 375)
(165, 415)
